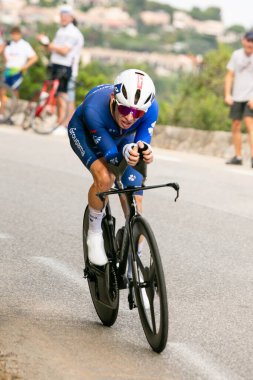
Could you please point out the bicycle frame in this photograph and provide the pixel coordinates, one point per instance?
(132, 210)
(50, 87)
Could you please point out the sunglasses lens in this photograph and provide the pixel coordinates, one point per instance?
(124, 110)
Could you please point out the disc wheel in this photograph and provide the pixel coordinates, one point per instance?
(149, 285)
(102, 280)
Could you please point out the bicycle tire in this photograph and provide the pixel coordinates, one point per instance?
(154, 319)
(106, 313)
(11, 103)
(44, 116)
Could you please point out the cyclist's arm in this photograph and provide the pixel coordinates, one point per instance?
(145, 132)
(147, 124)
(100, 135)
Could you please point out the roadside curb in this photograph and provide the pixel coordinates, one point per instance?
(211, 143)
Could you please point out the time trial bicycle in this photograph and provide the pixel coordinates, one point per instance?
(134, 245)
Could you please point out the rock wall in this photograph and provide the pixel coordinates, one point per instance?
(192, 140)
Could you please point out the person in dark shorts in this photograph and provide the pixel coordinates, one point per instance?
(19, 56)
(239, 95)
(63, 51)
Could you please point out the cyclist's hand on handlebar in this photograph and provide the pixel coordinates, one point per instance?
(130, 152)
(146, 151)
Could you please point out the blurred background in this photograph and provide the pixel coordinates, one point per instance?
(185, 50)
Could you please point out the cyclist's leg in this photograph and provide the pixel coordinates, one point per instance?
(83, 146)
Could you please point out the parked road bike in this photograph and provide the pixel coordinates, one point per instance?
(41, 111)
(134, 245)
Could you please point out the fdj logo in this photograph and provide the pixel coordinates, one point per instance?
(117, 88)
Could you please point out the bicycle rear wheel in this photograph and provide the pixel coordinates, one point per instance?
(149, 285)
(9, 103)
(102, 282)
(43, 115)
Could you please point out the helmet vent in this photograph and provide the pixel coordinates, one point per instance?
(124, 91)
(137, 96)
(148, 99)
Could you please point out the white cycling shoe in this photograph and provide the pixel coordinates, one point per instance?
(96, 250)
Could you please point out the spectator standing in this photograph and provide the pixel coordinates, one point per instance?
(239, 95)
(18, 57)
(63, 48)
(75, 68)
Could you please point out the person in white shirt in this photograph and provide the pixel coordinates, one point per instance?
(64, 48)
(75, 68)
(18, 57)
(238, 94)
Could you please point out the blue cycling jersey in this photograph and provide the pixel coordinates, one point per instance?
(94, 133)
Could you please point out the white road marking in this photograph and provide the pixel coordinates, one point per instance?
(201, 363)
(61, 268)
(5, 236)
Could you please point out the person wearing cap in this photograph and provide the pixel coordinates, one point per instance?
(18, 56)
(113, 121)
(238, 94)
(64, 48)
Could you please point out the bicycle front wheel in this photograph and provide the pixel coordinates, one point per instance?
(102, 283)
(149, 285)
(44, 118)
(8, 102)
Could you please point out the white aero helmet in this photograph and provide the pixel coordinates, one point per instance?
(134, 88)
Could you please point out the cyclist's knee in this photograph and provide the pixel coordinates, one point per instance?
(103, 179)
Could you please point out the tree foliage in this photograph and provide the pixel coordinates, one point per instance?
(199, 101)
(211, 13)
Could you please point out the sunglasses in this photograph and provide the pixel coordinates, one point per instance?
(124, 111)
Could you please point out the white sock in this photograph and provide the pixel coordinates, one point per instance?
(95, 220)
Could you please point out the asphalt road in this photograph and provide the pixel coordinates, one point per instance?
(48, 327)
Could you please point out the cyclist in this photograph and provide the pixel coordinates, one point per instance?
(18, 56)
(111, 123)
